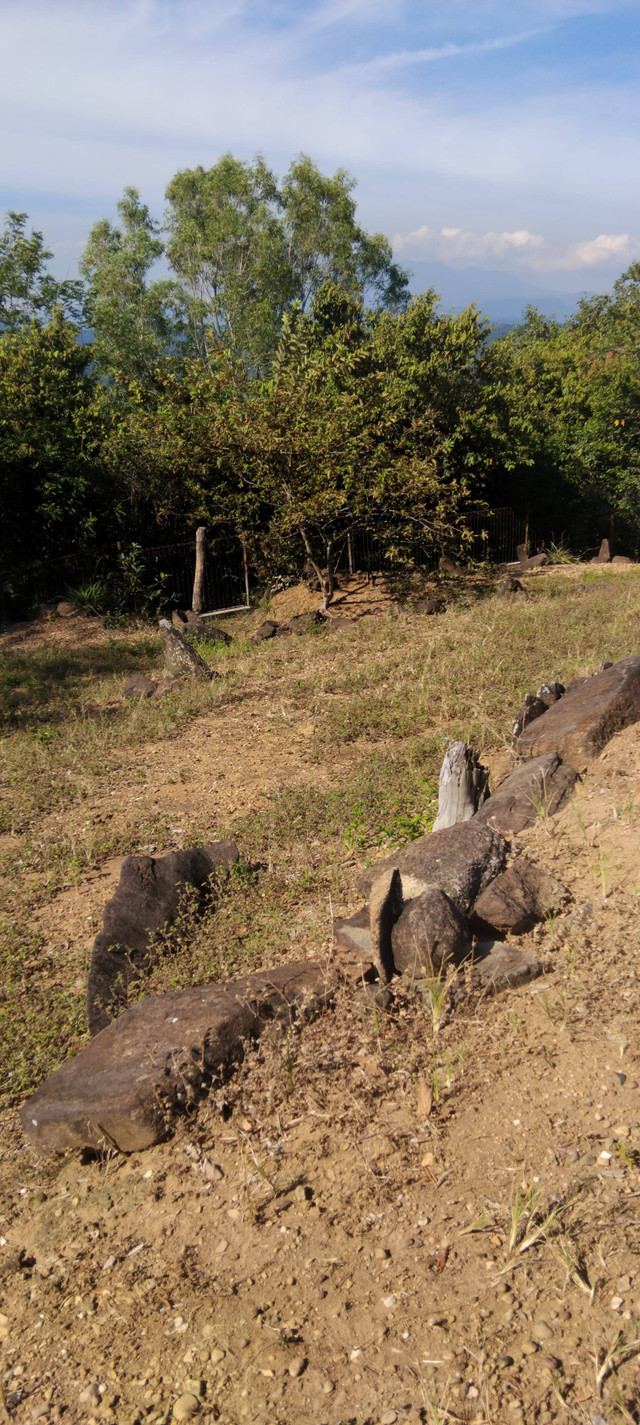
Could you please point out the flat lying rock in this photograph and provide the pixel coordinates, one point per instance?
(519, 897)
(146, 899)
(301, 623)
(583, 721)
(139, 686)
(539, 785)
(124, 1088)
(208, 632)
(497, 967)
(429, 934)
(461, 861)
(268, 629)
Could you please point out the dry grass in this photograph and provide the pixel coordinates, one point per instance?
(376, 704)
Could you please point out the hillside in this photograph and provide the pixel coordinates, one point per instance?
(390, 1216)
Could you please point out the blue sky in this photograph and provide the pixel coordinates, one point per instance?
(482, 133)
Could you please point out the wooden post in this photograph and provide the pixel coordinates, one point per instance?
(350, 552)
(197, 601)
(463, 786)
(245, 566)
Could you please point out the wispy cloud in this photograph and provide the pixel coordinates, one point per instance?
(403, 59)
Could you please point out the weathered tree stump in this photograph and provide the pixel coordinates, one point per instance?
(463, 786)
(197, 598)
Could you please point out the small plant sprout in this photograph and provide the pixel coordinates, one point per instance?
(620, 1350)
(574, 1266)
(437, 989)
(525, 1202)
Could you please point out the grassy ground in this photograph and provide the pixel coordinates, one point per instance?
(373, 705)
(383, 1218)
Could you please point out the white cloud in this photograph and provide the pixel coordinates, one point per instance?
(460, 248)
(518, 250)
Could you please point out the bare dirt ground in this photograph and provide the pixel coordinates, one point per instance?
(382, 1219)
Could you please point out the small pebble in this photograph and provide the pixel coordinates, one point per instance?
(89, 1396)
(616, 1302)
(529, 1348)
(388, 1418)
(382, 1253)
(328, 1387)
(216, 1356)
(186, 1406)
(504, 1361)
(388, 1302)
(622, 1078)
(541, 1330)
(552, 1363)
(296, 1366)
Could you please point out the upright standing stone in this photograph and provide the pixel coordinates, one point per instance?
(604, 553)
(385, 905)
(180, 659)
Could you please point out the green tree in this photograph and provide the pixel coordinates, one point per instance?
(52, 495)
(28, 292)
(137, 323)
(247, 251)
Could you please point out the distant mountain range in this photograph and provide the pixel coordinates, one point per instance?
(500, 296)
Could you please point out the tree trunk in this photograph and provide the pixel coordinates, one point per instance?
(463, 786)
(197, 601)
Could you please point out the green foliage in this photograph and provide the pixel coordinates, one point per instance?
(50, 433)
(136, 323)
(28, 292)
(248, 251)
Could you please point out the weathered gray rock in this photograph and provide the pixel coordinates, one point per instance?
(124, 1088)
(519, 897)
(335, 622)
(460, 861)
(139, 686)
(583, 721)
(532, 708)
(146, 900)
(429, 934)
(550, 693)
(621, 559)
(179, 619)
(537, 561)
(64, 609)
(208, 632)
(496, 967)
(428, 606)
(510, 587)
(301, 623)
(353, 934)
(604, 553)
(538, 785)
(448, 566)
(385, 904)
(268, 629)
(180, 659)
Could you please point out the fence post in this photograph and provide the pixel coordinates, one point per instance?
(350, 552)
(245, 566)
(197, 601)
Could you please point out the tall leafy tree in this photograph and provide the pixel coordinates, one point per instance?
(137, 322)
(28, 291)
(247, 250)
(52, 496)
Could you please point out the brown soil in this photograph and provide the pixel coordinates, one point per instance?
(329, 1237)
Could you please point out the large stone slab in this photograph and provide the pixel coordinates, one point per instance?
(583, 721)
(519, 897)
(461, 861)
(125, 1087)
(146, 899)
(540, 785)
(496, 967)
